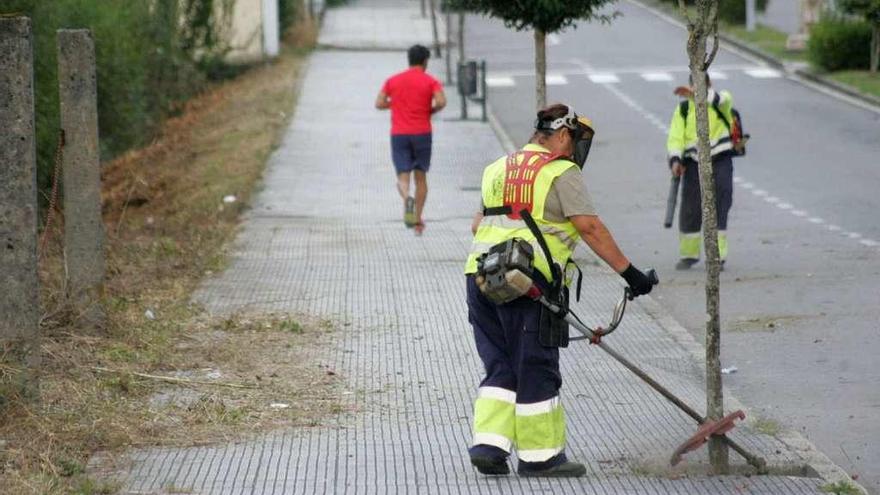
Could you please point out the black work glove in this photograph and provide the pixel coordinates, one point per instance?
(639, 283)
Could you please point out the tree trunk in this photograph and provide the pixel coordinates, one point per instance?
(698, 32)
(424, 9)
(540, 68)
(875, 48)
(434, 29)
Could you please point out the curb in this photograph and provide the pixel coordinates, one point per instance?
(814, 459)
(807, 77)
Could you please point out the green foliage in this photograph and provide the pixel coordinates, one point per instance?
(869, 9)
(734, 11)
(840, 488)
(287, 12)
(151, 54)
(546, 15)
(837, 43)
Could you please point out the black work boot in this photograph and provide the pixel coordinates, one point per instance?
(490, 465)
(686, 263)
(567, 469)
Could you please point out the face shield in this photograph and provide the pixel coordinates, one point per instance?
(583, 141)
(580, 129)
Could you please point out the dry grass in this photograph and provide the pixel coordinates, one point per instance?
(167, 226)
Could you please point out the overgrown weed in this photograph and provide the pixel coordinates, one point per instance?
(106, 388)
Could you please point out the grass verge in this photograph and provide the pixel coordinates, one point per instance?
(160, 371)
(862, 80)
(767, 39)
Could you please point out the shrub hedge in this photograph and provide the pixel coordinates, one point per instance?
(732, 11)
(837, 43)
(151, 55)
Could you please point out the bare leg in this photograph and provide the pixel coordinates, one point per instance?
(421, 180)
(403, 185)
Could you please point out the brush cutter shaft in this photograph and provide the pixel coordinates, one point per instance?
(758, 462)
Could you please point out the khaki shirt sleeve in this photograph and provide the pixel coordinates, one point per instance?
(568, 197)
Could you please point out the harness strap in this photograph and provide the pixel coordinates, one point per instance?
(497, 211)
(556, 277)
(580, 278)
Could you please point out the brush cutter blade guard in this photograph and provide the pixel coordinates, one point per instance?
(706, 430)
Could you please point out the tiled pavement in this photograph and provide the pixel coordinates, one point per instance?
(325, 237)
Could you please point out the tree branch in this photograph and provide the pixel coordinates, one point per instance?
(711, 57)
(684, 11)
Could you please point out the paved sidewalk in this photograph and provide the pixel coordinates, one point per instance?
(379, 25)
(325, 237)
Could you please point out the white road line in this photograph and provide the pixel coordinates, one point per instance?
(500, 82)
(763, 73)
(556, 80)
(717, 75)
(816, 87)
(553, 40)
(656, 76)
(606, 78)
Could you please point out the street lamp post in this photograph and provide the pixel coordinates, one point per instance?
(750, 15)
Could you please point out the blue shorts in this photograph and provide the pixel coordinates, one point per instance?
(411, 152)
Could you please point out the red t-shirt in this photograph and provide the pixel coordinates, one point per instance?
(411, 93)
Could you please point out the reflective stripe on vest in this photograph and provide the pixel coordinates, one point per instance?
(521, 180)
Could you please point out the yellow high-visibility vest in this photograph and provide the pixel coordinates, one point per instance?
(525, 168)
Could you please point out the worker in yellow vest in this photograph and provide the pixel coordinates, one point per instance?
(518, 405)
(681, 147)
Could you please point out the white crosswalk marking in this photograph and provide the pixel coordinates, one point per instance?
(606, 78)
(763, 73)
(656, 76)
(556, 80)
(717, 75)
(500, 81)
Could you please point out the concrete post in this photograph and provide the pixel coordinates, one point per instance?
(19, 296)
(83, 226)
(750, 15)
(271, 29)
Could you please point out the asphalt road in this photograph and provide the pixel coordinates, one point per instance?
(800, 295)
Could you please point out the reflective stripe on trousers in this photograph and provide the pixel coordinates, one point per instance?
(537, 430)
(518, 404)
(689, 245)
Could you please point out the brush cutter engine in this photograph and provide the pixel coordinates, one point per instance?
(504, 272)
